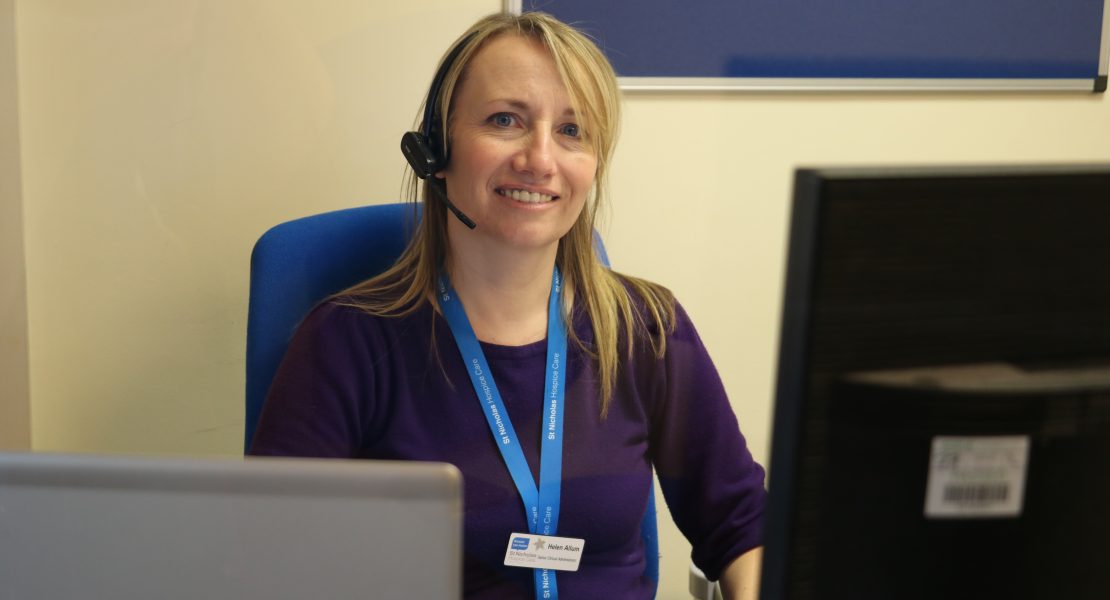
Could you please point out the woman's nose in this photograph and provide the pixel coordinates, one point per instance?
(536, 156)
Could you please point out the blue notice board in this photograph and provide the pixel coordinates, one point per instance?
(848, 44)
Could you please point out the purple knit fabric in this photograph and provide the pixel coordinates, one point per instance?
(354, 385)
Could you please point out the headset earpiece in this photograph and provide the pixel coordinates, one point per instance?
(419, 153)
(425, 149)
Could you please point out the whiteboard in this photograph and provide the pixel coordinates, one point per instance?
(847, 44)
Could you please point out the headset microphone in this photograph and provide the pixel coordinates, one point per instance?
(425, 149)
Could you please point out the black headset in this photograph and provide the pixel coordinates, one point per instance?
(426, 150)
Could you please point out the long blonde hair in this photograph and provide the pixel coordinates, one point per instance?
(605, 296)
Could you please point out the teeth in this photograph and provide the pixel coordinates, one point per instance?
(526, 196)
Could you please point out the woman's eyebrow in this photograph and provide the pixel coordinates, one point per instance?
(523, 106)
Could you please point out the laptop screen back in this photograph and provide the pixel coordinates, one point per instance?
(115, 527)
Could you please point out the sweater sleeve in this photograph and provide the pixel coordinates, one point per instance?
(712, 485)
(321, 395)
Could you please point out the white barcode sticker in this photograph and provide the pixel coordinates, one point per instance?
(980, 476)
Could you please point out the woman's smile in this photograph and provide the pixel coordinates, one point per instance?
(528, 197)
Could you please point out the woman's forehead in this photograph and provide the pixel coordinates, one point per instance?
(510, 60)
(514, 68)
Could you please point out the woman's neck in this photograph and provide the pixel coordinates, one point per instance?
(505, 294)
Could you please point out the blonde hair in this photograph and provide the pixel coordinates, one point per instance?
(605, 296)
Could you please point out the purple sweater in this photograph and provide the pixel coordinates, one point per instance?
(355, 385)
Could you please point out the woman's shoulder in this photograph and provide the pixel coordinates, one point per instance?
(653, 305)
(640, 291)
(335, 311)
(346, 317)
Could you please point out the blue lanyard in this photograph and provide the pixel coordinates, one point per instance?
(541, 505)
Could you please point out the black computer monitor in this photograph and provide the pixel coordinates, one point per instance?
(942, 416)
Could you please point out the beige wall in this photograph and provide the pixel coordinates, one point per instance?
(710, 177)
(159, 138)
(701, 192)
(15, 408)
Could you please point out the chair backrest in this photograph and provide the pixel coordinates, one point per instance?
(297, 264)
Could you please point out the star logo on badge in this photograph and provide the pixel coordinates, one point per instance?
(540, 544)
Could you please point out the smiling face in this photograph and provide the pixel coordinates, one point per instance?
(521, 166)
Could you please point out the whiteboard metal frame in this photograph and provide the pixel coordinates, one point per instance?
(795, 84)
(1104, 51)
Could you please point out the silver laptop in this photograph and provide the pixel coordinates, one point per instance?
(116, 527)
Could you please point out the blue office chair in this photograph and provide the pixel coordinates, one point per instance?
(297, 264)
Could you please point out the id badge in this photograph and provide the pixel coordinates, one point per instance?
(544, 552)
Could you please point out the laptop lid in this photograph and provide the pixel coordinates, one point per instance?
(122, 527)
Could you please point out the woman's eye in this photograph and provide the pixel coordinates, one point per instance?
(571, 130)
(502, 119)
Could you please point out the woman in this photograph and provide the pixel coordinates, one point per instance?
(465, 350)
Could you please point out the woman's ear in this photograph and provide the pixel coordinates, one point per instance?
(440, 175)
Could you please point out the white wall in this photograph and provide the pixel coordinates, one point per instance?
(159, 138)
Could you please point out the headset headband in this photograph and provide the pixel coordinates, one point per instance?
(426, 149)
